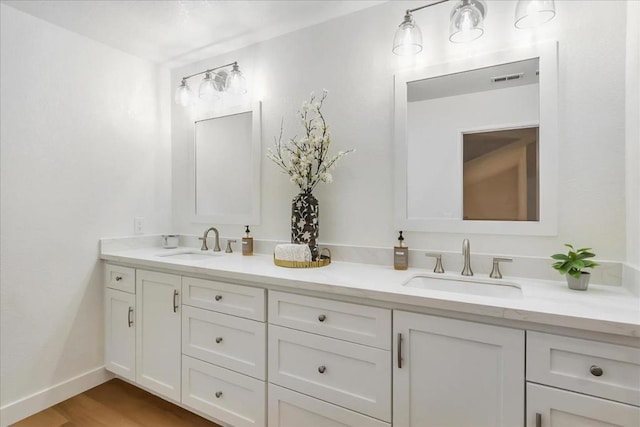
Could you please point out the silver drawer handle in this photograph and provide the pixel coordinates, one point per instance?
(596, 370)
(118, 278)
(129, 318)
(175, 301)
(399, 351)
(218, 340)
(322, 369)
(218, 394)
(218, 297)
(322, 318)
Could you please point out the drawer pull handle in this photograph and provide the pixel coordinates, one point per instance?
(322, 318)
(596, 371)
(538, 419)
(322, 369)
(399, 351)
(175, 301)
(118, 278)
(129, 318)
(218, 340)
(218, 394)
(218, 297)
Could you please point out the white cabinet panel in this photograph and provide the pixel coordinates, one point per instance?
(350, 322)
(228, 298)
(290, 409)
(225, 395)
(590, 367)
(455, 373)
(120, 333)
(550, 407)
(231, 342)
(158, 332)
(351, 375)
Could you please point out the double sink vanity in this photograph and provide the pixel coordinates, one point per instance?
(246, 343)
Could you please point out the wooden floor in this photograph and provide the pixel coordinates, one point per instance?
(115, 404)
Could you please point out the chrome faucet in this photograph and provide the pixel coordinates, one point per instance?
(466, 254)
(216, 246)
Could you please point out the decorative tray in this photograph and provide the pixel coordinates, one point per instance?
(324, 259)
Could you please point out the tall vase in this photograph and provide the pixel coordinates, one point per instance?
(304, 221)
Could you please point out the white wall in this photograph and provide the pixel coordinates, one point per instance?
(351, 57)
(434, 143)
(633, 134)
(83, 151)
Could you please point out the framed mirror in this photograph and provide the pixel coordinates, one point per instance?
(476, 144)
(225, 187)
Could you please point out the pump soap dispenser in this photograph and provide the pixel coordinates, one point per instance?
(247, 242)
(400, 255)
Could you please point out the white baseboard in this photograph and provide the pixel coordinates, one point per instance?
(27, 406)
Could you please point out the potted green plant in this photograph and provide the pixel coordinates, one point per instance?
(571, 265)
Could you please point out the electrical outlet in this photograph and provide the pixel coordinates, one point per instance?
(138, 225)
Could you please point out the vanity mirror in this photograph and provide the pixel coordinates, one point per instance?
(476, 144)
(226, 167)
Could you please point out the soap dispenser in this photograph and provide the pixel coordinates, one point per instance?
(247, 242)
(400, 255)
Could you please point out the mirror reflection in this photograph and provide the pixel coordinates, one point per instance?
(472, 144)
(500, 175)
(226, 167)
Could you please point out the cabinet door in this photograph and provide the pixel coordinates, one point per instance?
(120, 333)
(158, 333)
(451, 373)
(552, 407)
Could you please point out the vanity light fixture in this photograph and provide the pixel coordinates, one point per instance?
(466, 22)
(215, 80)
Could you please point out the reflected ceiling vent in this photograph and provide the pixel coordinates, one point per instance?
(507, 78)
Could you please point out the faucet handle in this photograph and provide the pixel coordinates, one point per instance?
(495, 271)
(438, 268)
(229, 242)
(204, 244)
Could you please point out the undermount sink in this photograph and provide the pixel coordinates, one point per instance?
(190, 255)
(465, 285)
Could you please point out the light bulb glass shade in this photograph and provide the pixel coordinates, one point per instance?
(533, 13)
(235, 83)
(208, 90)
(408, 38)
(467, 21)
(184, 96)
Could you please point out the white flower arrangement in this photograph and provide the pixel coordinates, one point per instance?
(306, 160)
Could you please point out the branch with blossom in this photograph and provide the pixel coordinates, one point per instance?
(306, 160)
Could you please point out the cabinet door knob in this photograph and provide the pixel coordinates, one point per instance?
(596, 370)
(218, 297)
(218, 340)
(322, 369)
(322, 318)
(118, 278)
(175, 301)
(218, 394)
(129, 318)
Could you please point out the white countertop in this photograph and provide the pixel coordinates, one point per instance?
(606, 309)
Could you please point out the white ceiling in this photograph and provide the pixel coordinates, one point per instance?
(177, 32)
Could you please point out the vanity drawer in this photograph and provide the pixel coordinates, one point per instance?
(222, 394)
(596, 368)
(290, 409)
(350, 322)
(351, 375)
(120, 278)
(238, 300)
(231, 342)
